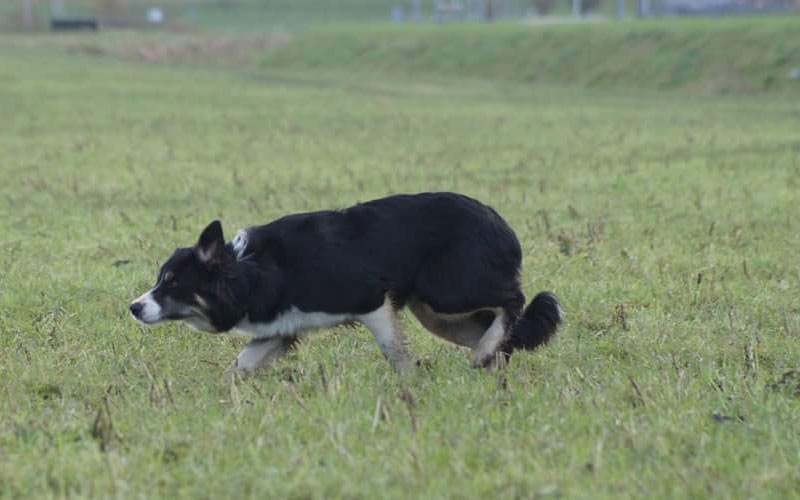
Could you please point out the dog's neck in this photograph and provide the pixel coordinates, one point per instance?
(262, 293)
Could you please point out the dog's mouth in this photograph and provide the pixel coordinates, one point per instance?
(200, 322)
(147, 321)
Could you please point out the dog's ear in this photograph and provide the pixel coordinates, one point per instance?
(210, 244)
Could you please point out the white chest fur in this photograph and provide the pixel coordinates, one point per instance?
(291, 323)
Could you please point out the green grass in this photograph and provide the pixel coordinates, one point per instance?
(666, 223)
(721, 55)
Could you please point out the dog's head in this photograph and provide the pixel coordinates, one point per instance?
(200, 285)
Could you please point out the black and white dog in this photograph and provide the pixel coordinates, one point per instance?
(452, 260)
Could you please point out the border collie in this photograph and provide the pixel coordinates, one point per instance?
(452, 260)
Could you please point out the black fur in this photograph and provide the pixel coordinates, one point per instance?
(537, 325)
(447, 250)
(443, 249)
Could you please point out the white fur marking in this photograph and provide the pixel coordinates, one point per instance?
(201, 301)
(381, 323)
(205, 254)
(240, 243)
(491, 340)
(151, 312)
(291, 322)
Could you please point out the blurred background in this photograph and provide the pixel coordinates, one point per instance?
(268, 14)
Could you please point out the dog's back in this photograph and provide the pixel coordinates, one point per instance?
(403, 244)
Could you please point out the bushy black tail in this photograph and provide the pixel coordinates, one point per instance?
(537, 325)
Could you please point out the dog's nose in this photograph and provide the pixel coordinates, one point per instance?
(136, 309)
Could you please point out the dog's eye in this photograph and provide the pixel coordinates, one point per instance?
(169, 279)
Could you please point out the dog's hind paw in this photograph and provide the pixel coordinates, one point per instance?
(497, 360)
(233, 371)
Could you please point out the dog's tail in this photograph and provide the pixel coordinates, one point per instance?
(537, 325)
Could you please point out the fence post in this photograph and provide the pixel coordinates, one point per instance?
(576, 8)
(620, 9)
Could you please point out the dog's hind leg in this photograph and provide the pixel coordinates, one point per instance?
(384, 326)
(483, 331)
(485, 355)
(259, 354)
(462, 329)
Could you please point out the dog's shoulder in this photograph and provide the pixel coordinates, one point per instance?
(284, 234)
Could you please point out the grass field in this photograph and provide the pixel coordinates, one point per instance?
(666, 223)
(692, 55)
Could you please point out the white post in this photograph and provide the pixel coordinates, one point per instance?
(27, 13)
(576, 8)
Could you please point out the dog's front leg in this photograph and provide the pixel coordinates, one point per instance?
(259, 354)
(384, 326)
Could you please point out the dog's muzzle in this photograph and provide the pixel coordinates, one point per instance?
(145, 309)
